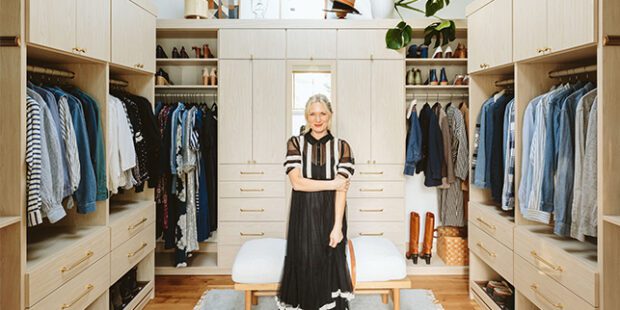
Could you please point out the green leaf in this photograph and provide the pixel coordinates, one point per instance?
(432, 6)
(399, 37)
(444, 24)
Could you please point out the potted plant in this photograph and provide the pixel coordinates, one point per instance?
(443, 30)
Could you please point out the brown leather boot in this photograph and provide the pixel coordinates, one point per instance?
(429, 231)
(414, 237)
(198, 51)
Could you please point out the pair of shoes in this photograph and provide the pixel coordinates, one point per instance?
(181, 54)
(203, 52)
(160, 53)
(414, 77)
(162, 78)
(458, 79)
(414, 236)
(460, 52)
(440, 53)
(415, 51)
(432, 77)
(209, 78)
(500, 292)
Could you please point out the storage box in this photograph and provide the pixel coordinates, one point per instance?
(452, 246)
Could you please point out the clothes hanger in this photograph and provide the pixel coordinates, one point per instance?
(410, 108)
(499, 94)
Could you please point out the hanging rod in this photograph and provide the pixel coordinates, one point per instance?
(425, 95)
(572, 71)
(119, 83)
(611, 40)
(184, 94)
(505, 82)
(51, 72)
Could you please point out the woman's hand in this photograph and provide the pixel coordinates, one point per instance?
(335, 236)
(341, 183)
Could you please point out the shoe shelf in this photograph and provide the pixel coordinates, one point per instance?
(185, 61)
(436, 61)
(482, 297)
(185, 87)
(438, 87)
(612, 219)
(8, 220)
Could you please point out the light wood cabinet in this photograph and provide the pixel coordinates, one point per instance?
(71, 25)
(365, 44)
(311, 44)
(252, 44)
(133, 36)
(235, 111)
(490, 30)
(530, 28)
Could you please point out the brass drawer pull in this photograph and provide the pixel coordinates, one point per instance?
(88, 288)
(371, 189)
(372, 172)
(131, 254)
(537, 257)
(485, 223)
(371, 234)
(371, 210)
(83, 259)
(251, 235)
(252, 210)
(481, 246)
(534, 288)
(252, 189)
(251, 172)
(136, 225)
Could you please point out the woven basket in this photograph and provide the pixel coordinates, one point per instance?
(452, 247)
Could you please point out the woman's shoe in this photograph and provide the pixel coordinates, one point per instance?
(432, 77)
(423, 51)
(160, 53)
(213, 76)
(438, 53)
(410, 77)
(206, 52)
(205, 76)
(429, 231)
(458, 52)
(412, 51)
(417, 77)
(198, 51)
(183, 52)
(162, 78)
(448, 52)
(414, 237)
(175, 53)
(466, 80)
(443, 79)
(458, 79)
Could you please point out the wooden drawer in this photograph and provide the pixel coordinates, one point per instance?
(82, 290)
(390, 230)
(311, 44)
(378, 173)
(236, 233)
(251, 173)
(252, 43)
(493, 253)
(128, 219)
(127, 255)
(492, 221)
(566, 261)
(251, 189)
(543, 291)
(375, 209)
(226, 255)
(252, 209)
(365, 44)
(376, 189)
(47, 276)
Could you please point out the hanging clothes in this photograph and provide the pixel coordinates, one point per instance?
(508, 190)
(432, 148)
(413, 142)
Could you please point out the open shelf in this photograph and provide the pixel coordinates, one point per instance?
(147, 288)
(185, 61)
(8, 220)
(438, 87)
(185, 86)
(476, 286)
(436, 61)
(612, 219)
(199, 263)
(436, 267)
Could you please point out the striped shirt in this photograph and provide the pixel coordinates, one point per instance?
(33, 162)
(508, 191)
(334, 154)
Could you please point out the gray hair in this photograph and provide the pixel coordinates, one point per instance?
(322, 99)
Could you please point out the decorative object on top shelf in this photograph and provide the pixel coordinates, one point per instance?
(196, 9)
(443, 31)
(382, 9)
(342, 8)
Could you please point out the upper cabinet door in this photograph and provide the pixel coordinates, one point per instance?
(352, 107)
(147, 39)
(475, 36)
(388, 112)
(365, 44)
(268, 111)
(235, 112)
(252, 44)
(93, 28)
(52, 24)
(500, 46)
(570, 24)
(124, 17)
(310, 44)
(530, 28)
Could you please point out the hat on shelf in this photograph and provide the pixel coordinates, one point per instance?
(342, 7)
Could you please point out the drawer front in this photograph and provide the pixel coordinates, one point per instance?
(251, 189)
(252, 209)
(488, 219)
(132, 252)
(252, 43)
(496, 255)
(82, 290)
(378, 173)
(252, 173)
(543, 291)
(389, 230)
(226, 255)
(311, 44)
(126, 228)
(74, 261)
(236, 233)
(558, 265)
(376, 189)
(377, 209)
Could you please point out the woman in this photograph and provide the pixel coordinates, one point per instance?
(316, 274)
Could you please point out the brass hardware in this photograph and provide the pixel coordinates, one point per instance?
(88, 288)
(250, 172)
(372, 172)
(252, 210)
(372, 57)
(539, 50)
(250, 235)
(481, 66)
(134, 226)
(544, 261)
(131, 254)
(534, 288)
(371, 189)
(483, 222)
(81, 260)
(10, 41)
(547, 49)
(371, 234)
(479, 244)
(252, 189)
(610, 40)
(374, 162)
(368, 161)
(371, 210)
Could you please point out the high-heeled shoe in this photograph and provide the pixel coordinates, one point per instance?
(410, 77)
(438, 53)
(205, 76)
(432, 77)
(183, 52)
(412, 51)
(160, 53)
(175, 53)
(206, 52)
(458, 79)
(198, 51)
(443, 79)
(213, 76)
(423, 51)
(162, 78)
(448, 52)
(417, 77)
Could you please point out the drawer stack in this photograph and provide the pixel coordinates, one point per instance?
(376, 203)
(251, 205)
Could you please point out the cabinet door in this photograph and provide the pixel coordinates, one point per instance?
(475, 37)
(530, 28)
(365, 44)
(352, 107)
(93, 28)
(570, 23)
(310, 44)
(124, 37)
(257, 43)
(147, 39)
(388, 112)
(235, 111)
(501, 42)
(52, 23)
(269, 111)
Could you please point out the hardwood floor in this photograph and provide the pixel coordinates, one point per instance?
(182, 292)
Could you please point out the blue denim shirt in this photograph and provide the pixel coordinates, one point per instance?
(479, 178)
(529, 118)
(414, 144)
(496, 162)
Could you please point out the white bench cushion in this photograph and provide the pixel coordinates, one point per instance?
(262, 260)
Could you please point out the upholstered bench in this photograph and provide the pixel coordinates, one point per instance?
(376, 265)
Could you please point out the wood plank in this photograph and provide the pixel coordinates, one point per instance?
(8, 220)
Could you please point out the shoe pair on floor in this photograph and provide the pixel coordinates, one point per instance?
(414, 237)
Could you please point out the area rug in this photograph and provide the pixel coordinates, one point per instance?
(234, 300)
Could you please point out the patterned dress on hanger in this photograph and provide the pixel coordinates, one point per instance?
(315, 275)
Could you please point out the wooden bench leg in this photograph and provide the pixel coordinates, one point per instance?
(384, 298)
(396, 298)
(248, 300)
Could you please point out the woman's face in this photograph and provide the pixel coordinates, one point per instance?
(318, 117)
